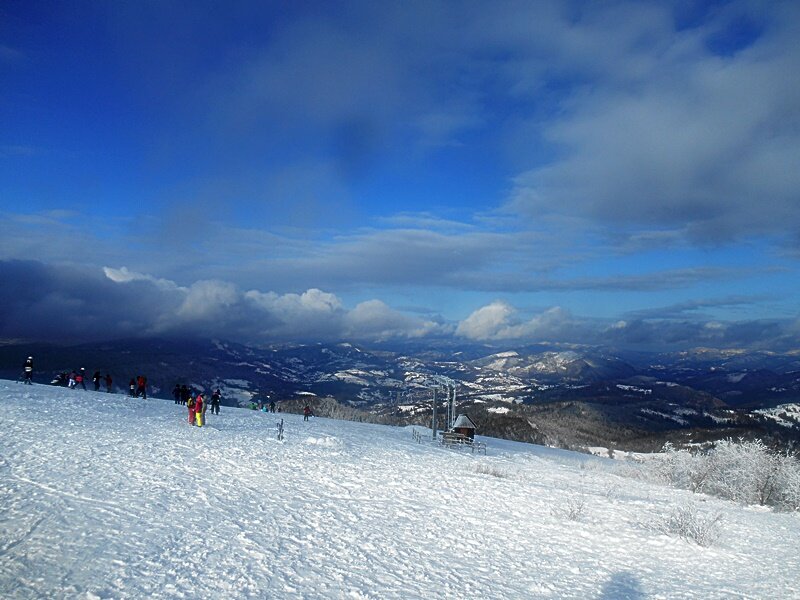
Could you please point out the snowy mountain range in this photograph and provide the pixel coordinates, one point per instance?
(569, 397)
(106, 496)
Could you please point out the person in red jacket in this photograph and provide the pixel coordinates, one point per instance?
(141, 386)
(190, 404)
(199, 406)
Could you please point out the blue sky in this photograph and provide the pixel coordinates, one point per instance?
(568, 172)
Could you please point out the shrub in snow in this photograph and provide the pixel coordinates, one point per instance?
(691, 524)
(613, 491)
(746, 472)
(485, 469)
(789, 496)
(572, 509)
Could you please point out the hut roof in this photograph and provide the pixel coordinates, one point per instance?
(463, 420)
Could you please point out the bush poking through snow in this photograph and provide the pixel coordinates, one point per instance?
(485, 469)
(691, 524)
(745, 472)
(613, 491)
(572, 509)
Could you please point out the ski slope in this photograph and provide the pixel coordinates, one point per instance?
(104, 496)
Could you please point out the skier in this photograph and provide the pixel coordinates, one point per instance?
(272, 406)
(307, 413)
(199, 408)
(215, 398)
(27, 370)
(96, 381)
(176, 393)
(185, 394)
(203, 413)
(108, 382)
(132, 386)
(190, 404)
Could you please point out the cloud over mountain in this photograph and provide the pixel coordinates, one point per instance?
(68, 304)
(64, 303)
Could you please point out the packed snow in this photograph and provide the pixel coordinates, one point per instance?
(105, 496)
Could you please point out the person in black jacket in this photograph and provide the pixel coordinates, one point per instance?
(28, 371)
(215, 398)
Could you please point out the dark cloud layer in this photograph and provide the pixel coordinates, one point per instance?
(47, 303)
(63, 304)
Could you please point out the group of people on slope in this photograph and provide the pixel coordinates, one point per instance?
(75, 378)
(138, 387)
(196, 403)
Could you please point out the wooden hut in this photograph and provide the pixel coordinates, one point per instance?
(464, 426)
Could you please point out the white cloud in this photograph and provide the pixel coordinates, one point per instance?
(688, 141)
(207, 300)
(375, 319)
(486, 323)
(500, 321)
(124, 275)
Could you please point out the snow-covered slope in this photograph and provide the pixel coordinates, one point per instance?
(102, 496)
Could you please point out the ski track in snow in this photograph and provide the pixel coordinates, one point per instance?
(105, 496)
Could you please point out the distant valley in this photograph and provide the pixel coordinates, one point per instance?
(574, 397)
